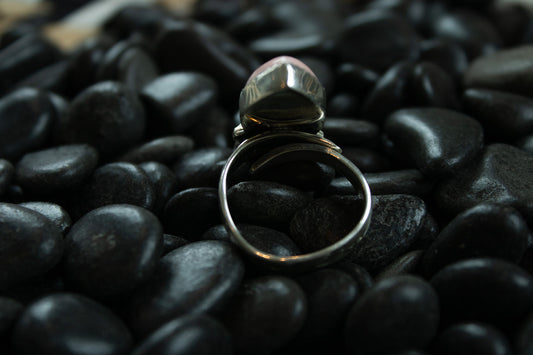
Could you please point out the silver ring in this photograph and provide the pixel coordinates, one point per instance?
(282, 113)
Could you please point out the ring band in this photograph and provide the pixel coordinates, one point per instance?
(282, 141)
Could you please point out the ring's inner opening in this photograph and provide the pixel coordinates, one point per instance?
(286, 105)
(292, 208)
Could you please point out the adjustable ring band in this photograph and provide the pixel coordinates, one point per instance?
(273, 148)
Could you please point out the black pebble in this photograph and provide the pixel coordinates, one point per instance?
(377, 40)
(112, 250)
(267, 240)
(485, 230)
(7, 172)
(351, 132)
(506, 70)
(464, 288)
(54, 170)
(116, 183)
(355, 78)
(9, 313)
(438, 141)
(190, 334)
(398, 313)
(432, 86)
(31, 244)
(171, 242)
(163, 181)
(504, 116)
(500, 175)
(26, 119)
(395, 225)
(405, 264)
(199, 277)
(189, 213)
(65, 323)
(107, 115)
(471, 338)
(136, 68)
(198, 168)
(304, 175)
(57, 214)
(164, 150)
(361, 276)
(180, 99)
(524, 339)
(265, 314)
(447, 55)
(367, 160)
(264, 203)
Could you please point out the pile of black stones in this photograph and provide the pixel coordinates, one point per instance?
(111, 239)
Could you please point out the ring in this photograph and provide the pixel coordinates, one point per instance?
(282, 114)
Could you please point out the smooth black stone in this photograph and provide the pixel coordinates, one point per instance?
(324, 221)
(395, 225)
(511, 21)
(142, 19)
(212, 11)
(112, 250)
(171, 242)
(427, 234)
(506, 70)
(163, 181)
(409, 182)
(164, 150)
(265, 314)
(31, 244)
(189, 213)
(214, 131)
(377, 40)
(322, 70)
(438, 141)
(72, 324)
(136, 68)
(180, 100)
(199, 277)
(504, 116)
(265, 203)
(23, 57)
(107, 68)
(350, 132)
(471, 338)
(250, 23)
(449, 56)
(355, 78)
(524, 338)
(367, 160)
(363, 279)
(55, 213)
(304, 175)
(51, 78)
(106, 115)
(405, 264)
(267, 240)
(485, 230)
(330, 294)
(500, 175)
(10, 310)
(432, 86)
(7, 172)
(388, 94)
(526, 144)
(343, 104)
(26, 119)
(470, 290)
(210, 51)
(197, 168)
(473, 32)
(189, 334)
(398, 313)
(54, 170)
(116, 183)
(412, 10)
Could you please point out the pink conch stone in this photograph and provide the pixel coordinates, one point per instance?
(278, 61)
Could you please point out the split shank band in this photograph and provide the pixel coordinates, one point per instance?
(282, 113)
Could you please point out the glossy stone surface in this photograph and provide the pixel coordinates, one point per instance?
(55, 213)
(112, 250)
(26, 119)
(55, 169)
(7, 172)
(408, 263)
(198, 168)
(432, 86)
(163, 181)
(66, 323)
(31, 244)
(164, 150)
(410, 307)
(199, 277)
(265, 314)
(437, 141)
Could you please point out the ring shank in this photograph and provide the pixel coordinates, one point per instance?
(275, 148)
